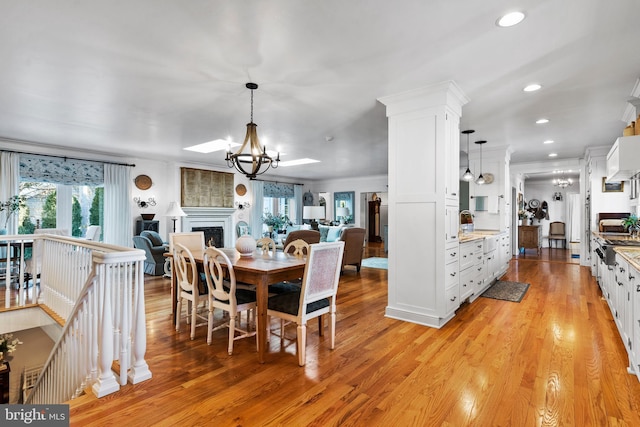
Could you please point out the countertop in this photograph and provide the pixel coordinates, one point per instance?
(631, 254)
(476, 235)
(612, 238)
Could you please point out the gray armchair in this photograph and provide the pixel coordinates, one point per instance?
(154, 264)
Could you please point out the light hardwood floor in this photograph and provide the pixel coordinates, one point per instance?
(553, 359)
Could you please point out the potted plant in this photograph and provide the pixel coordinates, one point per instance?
(274, 222)
(11, 206)
(631, 224)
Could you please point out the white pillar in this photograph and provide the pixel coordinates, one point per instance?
(424, 138)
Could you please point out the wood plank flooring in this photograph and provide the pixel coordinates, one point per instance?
(553, 359)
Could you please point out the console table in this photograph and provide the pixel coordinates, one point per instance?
(530, 237)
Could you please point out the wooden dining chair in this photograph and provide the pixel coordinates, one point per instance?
(266, 245)
(224, 294)
(188, 287)
(297, 247)
(316, 297)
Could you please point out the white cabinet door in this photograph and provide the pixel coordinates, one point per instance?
(451, 223)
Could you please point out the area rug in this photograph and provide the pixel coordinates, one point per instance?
(375, 262)
(506, 291)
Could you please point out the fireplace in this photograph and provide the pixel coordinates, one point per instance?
(212, 235)
(210, 218)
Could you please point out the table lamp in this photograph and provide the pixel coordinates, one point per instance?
(341, 213)
(174, 211)
(313, 213)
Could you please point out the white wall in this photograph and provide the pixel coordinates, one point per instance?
(557, 210)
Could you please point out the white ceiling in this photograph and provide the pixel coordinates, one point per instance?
(145, 78)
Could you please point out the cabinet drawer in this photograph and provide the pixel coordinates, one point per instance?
(451, 274)
(467, 256)
(452, 298)
(451, 254)
(467, 282)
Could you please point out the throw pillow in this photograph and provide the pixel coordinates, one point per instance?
(334, 234)
(324, 231)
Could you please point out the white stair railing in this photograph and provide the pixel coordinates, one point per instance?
(98, 290)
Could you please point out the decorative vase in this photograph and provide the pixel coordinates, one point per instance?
(246, 245)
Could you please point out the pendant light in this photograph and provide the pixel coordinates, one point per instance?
(251, 162)
(468, 176)
(480, 179)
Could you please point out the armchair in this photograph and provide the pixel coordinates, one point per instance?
(154, 264)
(353, 239)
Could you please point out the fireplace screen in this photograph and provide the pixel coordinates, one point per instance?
(212, 235)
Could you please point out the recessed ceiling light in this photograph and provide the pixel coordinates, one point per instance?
(542, 121)
(548, 141)
(510, 19)
(211, 146)
(532, 87)
(553, 155)
(297, 162)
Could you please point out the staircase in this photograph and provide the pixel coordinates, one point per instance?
(97, 292)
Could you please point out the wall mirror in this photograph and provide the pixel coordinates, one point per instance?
(344, 199)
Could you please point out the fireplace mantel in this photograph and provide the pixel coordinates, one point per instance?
(210, 217)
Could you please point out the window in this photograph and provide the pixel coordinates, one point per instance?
(84, 207)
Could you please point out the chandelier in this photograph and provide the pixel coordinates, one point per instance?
(562, 182)
(250, 163)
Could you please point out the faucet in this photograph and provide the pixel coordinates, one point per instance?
(466, 221)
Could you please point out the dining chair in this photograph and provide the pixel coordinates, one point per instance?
(297, 247)
(192, 240)
(266, 245)
(316, 297)
(224, 294)
(187, 277)
(557, 232)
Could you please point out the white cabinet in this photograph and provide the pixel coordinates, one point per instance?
(623, 160)
(452, 224)
(622, 308)
(470, 268)
(634, 320)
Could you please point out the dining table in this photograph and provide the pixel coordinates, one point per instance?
(260, 269)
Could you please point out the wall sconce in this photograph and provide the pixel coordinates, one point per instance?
(145, 203)
(241, 205)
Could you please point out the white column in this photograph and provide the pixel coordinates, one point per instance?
(423, 153)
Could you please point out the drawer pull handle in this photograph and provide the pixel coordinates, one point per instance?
(453, 274)
(453, 253)
(453, 299)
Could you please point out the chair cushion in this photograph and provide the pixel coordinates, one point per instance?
(284, 287)
(289, 303)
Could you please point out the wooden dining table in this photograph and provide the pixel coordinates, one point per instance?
(260, 269)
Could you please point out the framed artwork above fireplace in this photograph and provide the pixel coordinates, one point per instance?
(205, 188)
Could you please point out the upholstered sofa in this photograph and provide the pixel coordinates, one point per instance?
(154, 248)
